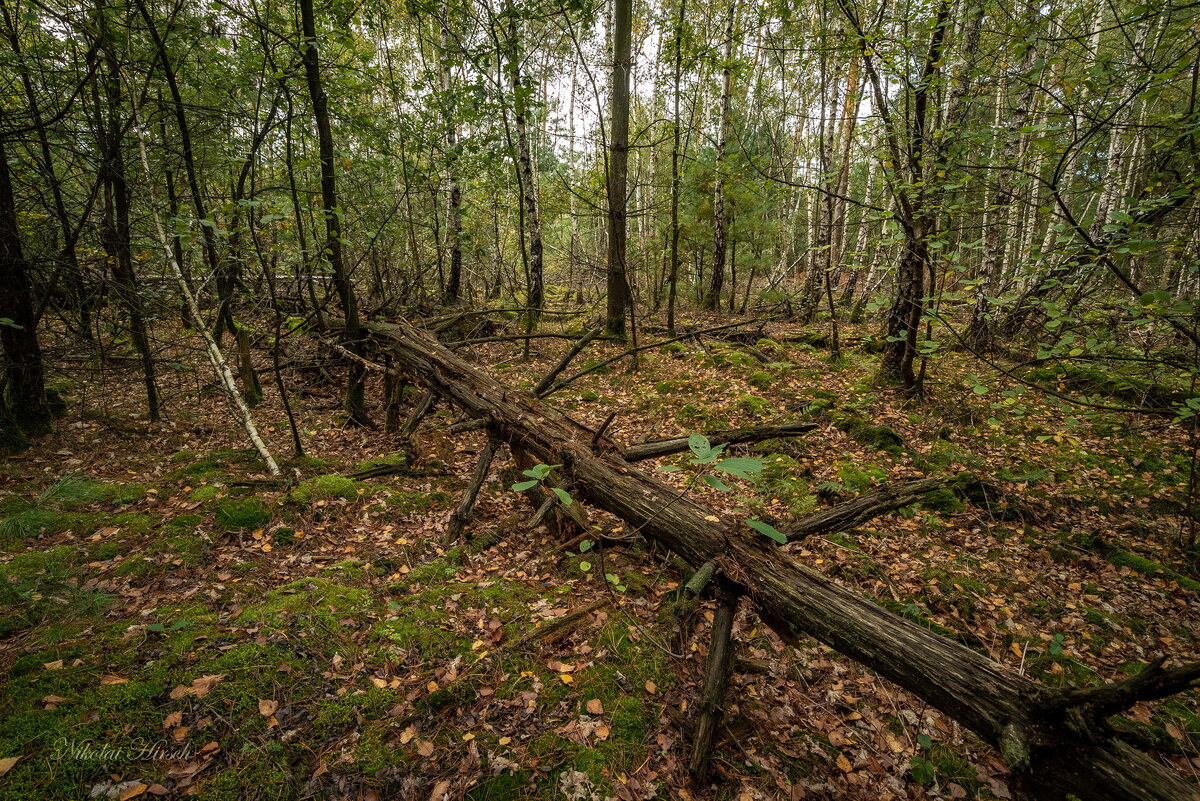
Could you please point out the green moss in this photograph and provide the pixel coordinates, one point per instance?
(328, 487)
(242, 513)
(859, 478)
(255, 774)
(407, 502)
(760, 379)
(315, 596)
(208, 492)
(398, 459)
(123, 493)
(438, 569)
(332, 716)
(941, 500)
(1147, 567)
(700, 416)
(672, 348)
(754, 405)
(589, 395)
(878, 437)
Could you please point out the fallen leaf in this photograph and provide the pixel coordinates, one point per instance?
(8, 763)
(844, 764)
(651, 687)
(199, 687)
(57, 664)
(407, 735)
(133, 791)
(172, 720)
(105, 681)
(267, 707)
(425, 748)
(594, 707)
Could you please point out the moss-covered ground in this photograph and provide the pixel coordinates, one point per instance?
(172, 619)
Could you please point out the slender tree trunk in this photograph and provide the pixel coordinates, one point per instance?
(712, 298)
(529, 191)
(454, 188)
(352, 333)
(25, 403)
(618, 162)
(115, 233)
(224, 280)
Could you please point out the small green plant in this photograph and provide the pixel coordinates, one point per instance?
(706, 455)
(922, 769)
(538, 475)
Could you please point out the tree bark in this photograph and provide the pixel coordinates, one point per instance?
(24, 374)
(618, 164)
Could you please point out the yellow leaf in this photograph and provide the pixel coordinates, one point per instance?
(844, 764)
(505, 740)
(566, 678)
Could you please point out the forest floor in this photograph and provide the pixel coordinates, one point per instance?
(165, 632)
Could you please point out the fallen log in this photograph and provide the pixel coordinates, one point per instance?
(854, 513)
(1051, 748)
(735, 436)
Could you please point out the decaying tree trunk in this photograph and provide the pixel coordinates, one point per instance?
(1054, 741)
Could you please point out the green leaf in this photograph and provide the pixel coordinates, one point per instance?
(562, 496)
(1155, 296)
(768, 530)
(699, 445)
(670, 468)
(585, 566)
(586, 546)
(715, 483)
(539, 471)
(740, 466)
(521, 486)
(925, 741)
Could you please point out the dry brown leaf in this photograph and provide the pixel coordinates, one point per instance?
(133, 791)
(425, 748)
(105, 681)
(8, 763)
(57, 664)
(267, 707)
(595, 707)
(844, 764)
